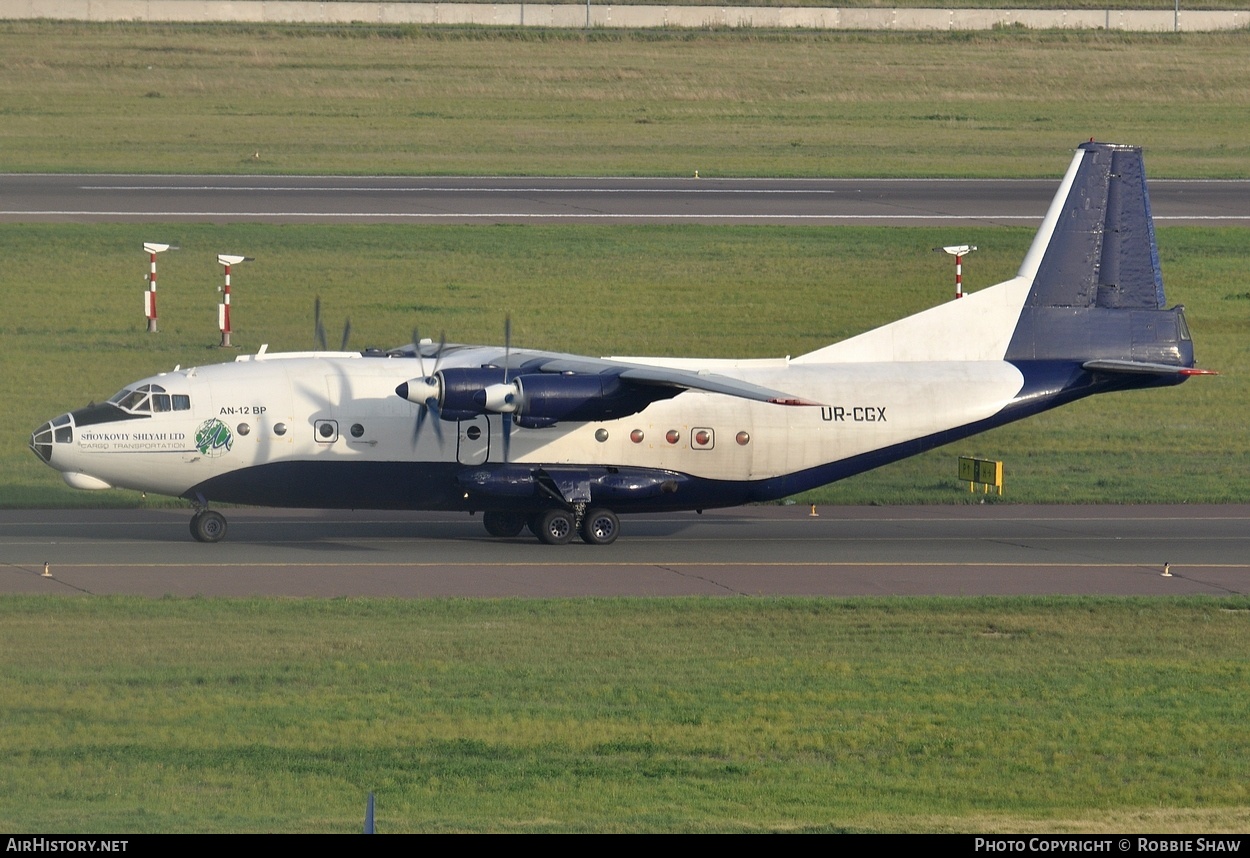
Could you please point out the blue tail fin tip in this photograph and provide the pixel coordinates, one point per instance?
(1097, 293)
(1103, 251)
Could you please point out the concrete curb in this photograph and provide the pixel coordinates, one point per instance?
(609, 16)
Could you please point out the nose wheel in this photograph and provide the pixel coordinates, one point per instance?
(208, 526)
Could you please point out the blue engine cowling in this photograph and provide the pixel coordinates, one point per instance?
(463, 391)
(543, 399)
(548, 399)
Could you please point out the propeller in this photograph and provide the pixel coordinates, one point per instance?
(319, 331)
(425, 391)
(507, 415)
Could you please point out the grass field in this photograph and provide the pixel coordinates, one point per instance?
(251, 99)
(77, 338)
(985, 715)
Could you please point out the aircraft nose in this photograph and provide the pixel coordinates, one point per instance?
(59, 430)
(41, 443)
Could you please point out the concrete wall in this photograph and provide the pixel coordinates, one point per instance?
(606, 15)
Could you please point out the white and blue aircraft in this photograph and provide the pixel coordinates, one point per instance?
(563, 444)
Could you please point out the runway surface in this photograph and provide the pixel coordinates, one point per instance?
(772, 550)
(338, 199)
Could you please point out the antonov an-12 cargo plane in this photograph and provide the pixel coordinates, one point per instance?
(562, 444)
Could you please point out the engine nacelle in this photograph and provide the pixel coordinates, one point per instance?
(462, 391)
(535, 399)
(543, 400)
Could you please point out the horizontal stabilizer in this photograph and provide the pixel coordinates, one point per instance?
(1143, 368)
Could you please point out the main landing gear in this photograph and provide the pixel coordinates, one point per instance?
(596, 526)
(208, 526)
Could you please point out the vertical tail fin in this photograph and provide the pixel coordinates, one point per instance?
(1102, 249)
(1097, 290)
(1088, 292)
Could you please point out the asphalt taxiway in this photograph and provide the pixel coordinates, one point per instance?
(425, 199)
(770, 550)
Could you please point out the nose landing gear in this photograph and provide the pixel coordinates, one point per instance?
(208, 526)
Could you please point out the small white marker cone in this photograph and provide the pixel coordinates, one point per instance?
(47, 573)
(1167, 570)
(813, 513)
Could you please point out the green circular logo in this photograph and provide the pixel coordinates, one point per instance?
(213, 438)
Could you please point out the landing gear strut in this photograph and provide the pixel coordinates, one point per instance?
(208, 526)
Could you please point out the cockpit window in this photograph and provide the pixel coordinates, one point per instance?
(134, 401)
(149, 398)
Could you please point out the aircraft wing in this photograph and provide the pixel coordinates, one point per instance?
(669, 377)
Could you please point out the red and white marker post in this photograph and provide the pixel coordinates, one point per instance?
(959, 251)
(223, 309)
(149, 295)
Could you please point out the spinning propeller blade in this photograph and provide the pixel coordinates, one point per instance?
(433, 385)
(507, 415)
(319, 333)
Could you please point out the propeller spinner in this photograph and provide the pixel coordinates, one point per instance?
(426, 391)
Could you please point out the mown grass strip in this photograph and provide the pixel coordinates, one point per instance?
(624, 715)
(364, 99)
